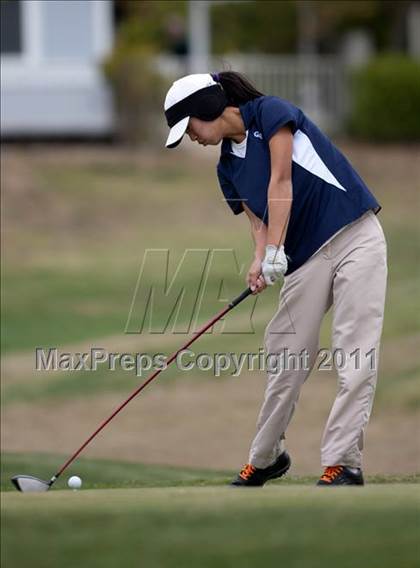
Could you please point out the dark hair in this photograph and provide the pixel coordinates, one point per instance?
(238, 88)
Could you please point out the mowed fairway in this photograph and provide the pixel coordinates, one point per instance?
(279, 525)
(154, 516)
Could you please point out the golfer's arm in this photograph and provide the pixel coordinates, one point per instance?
(280, 195)
(258, 231)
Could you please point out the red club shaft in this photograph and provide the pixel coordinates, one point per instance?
(198, 334)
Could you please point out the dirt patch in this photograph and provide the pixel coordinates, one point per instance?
(203, 423)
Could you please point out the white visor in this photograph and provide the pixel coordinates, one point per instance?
(177, 132)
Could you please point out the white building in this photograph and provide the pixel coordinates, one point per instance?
(51, 78)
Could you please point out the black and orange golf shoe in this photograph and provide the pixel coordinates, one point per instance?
(251, 476)
(341, 475)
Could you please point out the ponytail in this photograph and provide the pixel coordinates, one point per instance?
(238, 88)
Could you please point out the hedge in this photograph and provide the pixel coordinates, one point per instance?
(386, 100)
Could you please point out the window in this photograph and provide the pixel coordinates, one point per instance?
(11, 32)
(67, 29)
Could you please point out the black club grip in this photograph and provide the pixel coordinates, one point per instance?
(240, 298)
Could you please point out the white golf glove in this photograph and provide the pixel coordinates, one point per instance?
(274, 264)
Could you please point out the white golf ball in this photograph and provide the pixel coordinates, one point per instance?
(74, 482)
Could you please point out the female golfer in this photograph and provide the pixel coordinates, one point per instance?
(313, 221)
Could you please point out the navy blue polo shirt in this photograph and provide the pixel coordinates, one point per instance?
(327, 192)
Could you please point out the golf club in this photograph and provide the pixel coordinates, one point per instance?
(28, 483)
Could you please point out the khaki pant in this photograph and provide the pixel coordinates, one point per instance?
(349, 273)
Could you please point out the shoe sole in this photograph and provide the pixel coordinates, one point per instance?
(279, 473)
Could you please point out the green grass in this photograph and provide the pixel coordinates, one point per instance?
(106, 473)
(71, 264)
(131, 514)
(293, 525)
(71, 261)
(101, 474)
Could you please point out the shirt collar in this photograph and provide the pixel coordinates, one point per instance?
(247, 114)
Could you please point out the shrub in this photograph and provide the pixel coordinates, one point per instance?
(386, 100)
(139, 93)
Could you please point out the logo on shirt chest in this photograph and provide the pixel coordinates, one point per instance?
(258, 135)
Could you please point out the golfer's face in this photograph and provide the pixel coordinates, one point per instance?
(204, 132)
